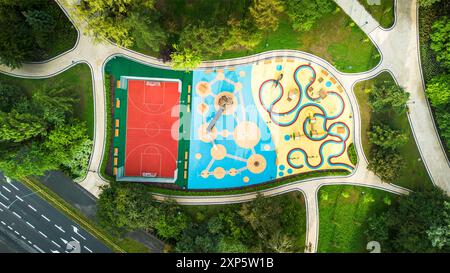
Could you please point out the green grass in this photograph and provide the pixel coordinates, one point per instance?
(414, 176)
(79, 77)
(343, 221)
(384, 13)
(132, 246)
(346, 47)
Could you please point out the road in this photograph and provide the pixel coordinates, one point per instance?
(84, 201)
(30, 224)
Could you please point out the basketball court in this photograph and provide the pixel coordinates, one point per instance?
(152, 122)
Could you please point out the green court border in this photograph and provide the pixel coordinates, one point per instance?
(121, 66)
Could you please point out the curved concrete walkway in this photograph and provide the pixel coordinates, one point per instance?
(395, 59)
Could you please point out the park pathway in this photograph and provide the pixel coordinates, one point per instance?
(404, 64)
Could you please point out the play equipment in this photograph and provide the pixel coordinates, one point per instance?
(224, 102)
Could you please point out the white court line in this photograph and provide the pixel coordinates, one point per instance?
(87, 249)
(11, 184)
(31, 207)
(4, 196)
(17, 215)
(56, 244)
(43, 216)
(40, 250)
(19, 198)
(40, 232)
(6, 188)
(58, 227)
(29, 224)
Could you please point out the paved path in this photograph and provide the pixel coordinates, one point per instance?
(402, 62)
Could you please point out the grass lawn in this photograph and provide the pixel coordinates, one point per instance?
(78, 76)
(346, 47)
(414, 175)
(202, 213)
(383, 13)
(343, 221)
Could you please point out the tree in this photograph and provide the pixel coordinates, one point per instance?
(265, 13)
(54, 102)
(9, 96)
(439, 234)
(146, 32)
(386, 163)
(427, 3)
(305, 13)
(25, 160)
(16, 44)
(440, 40)
(109, 19)
(42, 25)
(185, 59)
(443, 121)
(386, 137)
(71, 147)
(242, 34)
(171, 221)
(438, 90)
(18, 127)
(413, 224)
(206, 40)
(387, 95)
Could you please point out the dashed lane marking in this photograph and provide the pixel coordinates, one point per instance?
(6, 189)
(31, 207)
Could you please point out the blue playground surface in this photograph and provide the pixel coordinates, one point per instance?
(239, 151)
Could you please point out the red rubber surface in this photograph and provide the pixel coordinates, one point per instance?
(152, 128)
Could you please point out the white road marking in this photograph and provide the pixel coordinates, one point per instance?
(30, 225)
(31, 207)
(43, 216)
(56, 244)
(40, 250)
(15, 231)
(17, 215)
(4, 196)
(19, 198)
(11, 184)
(6, 188)
(23, 237)
(10, 228)
(1, 210)
(3, 205)
(58, 227)
(3, 223)
(87, 249)
(75, 240)
(30, 242)
(40, 232)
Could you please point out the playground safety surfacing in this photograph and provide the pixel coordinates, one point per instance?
(237, 126)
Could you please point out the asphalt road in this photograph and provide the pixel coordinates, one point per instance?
(81, 199)
(29, 224)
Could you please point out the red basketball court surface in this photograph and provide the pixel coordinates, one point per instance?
(151, 148)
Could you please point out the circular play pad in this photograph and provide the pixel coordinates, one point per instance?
(256, 163)
(247, 134)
